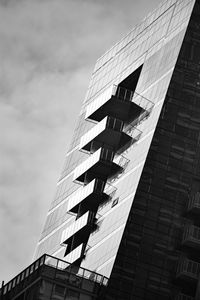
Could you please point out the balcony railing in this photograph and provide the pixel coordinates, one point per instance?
(183, 297)
(87, 195)
(100, 165)
(188, 269)
(143, 102)
(108, 132)
(109, 190)
(129, 105)
(77, 227)
(194, 204)
(55, 263)
(142, 116)
(122, 93)
(133, 132)
(191, 236)
(121, 161)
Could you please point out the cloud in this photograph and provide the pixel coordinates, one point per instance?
(47, 52)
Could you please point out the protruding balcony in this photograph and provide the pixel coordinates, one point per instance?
(122, 161)
(191, 236)
(78, 232)
(74, 255)
(77, 228)
(194, 204)
(183, 297)
(188, 270)
(118, 102)
(87, 196)
(109, 132)
(110, 191)
(99, 165)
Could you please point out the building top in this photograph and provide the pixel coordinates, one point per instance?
(140, 43)
(133, 33)
(57, 271)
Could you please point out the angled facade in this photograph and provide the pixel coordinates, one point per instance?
(127, 204)
(122, 202)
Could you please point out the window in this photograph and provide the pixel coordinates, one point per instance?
(115, 201)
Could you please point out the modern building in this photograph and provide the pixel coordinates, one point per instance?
(50, 278)
(127, 204)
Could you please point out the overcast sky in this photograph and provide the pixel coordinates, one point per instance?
(47, 52)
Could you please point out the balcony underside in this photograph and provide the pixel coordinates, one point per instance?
(195, 210)
(120, 109)
(115, 139)
(91, 201)
(193, 243)
(187, 276)
(101, 170)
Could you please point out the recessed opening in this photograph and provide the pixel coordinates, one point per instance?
(131, 81)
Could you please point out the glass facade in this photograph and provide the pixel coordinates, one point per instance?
(137, 133)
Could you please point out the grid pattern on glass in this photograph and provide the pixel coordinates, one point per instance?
(110, 224)
(153, 65)
(103, 98)
(135, 49)
(64, 189)
(81, 128)
(71, 160)
(50, 243)
(137, 30)
(86, 122)
(57, 217)
(120, 197)
(151, 36)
